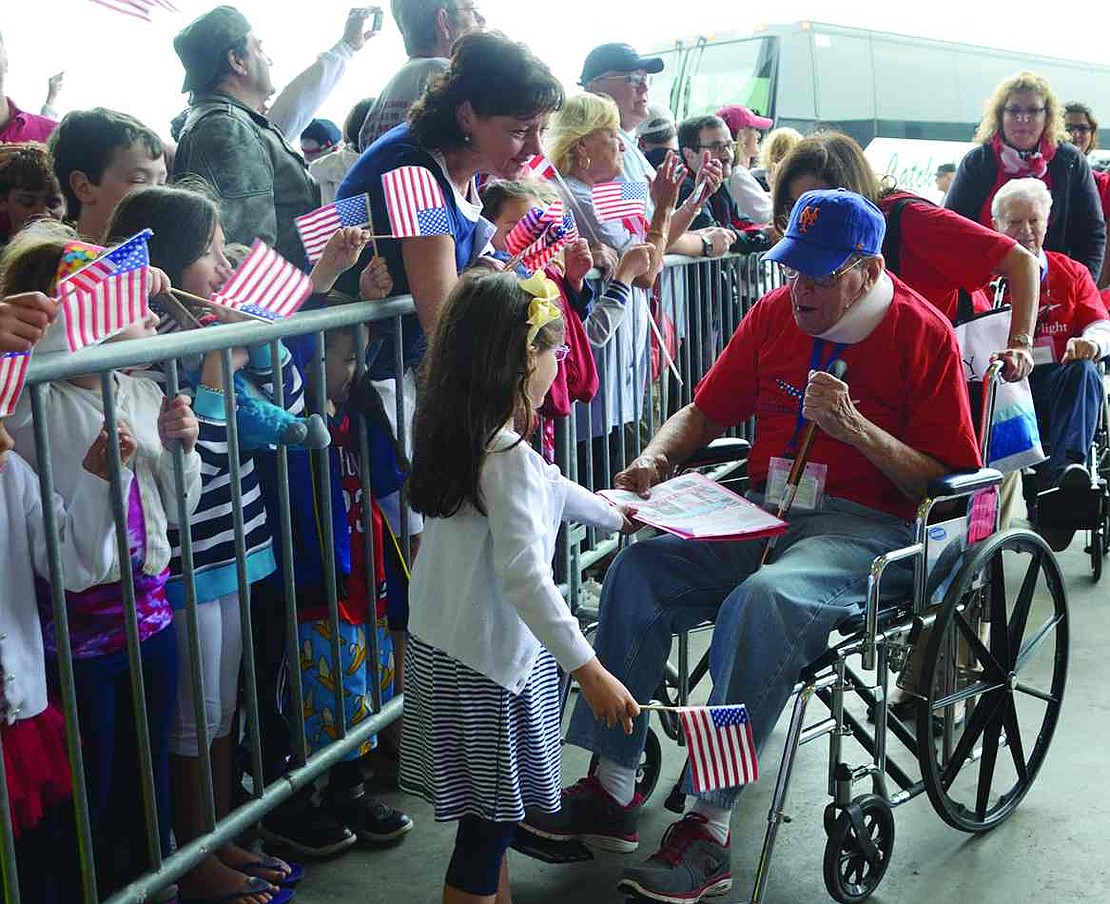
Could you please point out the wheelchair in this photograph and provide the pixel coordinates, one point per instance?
(1091, 513)
(979, 652)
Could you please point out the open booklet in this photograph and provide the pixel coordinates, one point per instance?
(696, 508)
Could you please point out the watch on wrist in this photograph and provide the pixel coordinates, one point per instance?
(1021, 340)
(706, 247)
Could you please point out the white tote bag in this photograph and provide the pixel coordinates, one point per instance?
(1015, 441)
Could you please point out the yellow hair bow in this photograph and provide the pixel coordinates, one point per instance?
(544, 307)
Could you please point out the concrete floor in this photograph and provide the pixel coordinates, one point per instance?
(1046, 852)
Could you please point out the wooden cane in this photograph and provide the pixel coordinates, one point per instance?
(837, 369)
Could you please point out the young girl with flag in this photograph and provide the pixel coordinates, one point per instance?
(32, 730)
(34, 261)
(488, 626)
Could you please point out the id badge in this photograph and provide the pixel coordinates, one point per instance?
(811, 488)
(1044, 352)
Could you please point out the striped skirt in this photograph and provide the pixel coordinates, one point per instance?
(469, 747)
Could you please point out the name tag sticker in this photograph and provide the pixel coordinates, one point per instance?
(811, 488)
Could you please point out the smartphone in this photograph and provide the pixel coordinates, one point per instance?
(374, 13)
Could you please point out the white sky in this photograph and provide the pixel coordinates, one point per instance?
(114, 61)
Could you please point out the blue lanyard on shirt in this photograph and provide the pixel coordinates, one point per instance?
(815, 363)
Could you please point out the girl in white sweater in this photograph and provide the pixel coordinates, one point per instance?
(489, 629)
(32, 728)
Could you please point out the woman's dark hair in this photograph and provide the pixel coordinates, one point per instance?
(353, 123)
(830, 157)
(497, 76)
(472, 383)
(27, 166)
(1075, 108)
(183, 218)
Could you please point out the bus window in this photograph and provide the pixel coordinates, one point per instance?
(843, 75)
(928, 96)
(736, 72)
(664, 85)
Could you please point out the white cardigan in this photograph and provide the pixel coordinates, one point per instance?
(88, 552)
(482, 587)
(76, 417)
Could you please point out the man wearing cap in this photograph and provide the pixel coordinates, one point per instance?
(262, 182)
(746, 128)
(620, 72)
(944, 175)
(656, 135)
(430, 29)
(903, 422)
(321, 136)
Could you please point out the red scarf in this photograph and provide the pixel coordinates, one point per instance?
(1015, 164)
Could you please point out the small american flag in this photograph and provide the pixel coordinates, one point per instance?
(320, 225)
(108, 295)
(539, 167)
(13, 370)
(265, 285)
(555, 238)
(531, 227)
(720, 744)
(140, 9)
(414, 202)
(618, 200)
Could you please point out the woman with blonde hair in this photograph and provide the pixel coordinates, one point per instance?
(773, 151)
(1022, 135)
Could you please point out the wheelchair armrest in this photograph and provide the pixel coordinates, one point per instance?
(964, 483)
(721, 451)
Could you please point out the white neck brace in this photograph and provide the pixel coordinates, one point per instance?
(860, 320)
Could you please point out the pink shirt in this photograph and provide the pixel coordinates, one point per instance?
(26, 126)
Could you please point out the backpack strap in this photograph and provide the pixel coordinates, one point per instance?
(892, 243)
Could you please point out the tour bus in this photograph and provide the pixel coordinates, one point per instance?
(869, 84)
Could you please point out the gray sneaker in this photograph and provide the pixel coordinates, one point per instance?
(689, 865)
(589, 814)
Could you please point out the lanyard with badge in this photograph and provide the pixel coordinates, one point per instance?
(811, 487)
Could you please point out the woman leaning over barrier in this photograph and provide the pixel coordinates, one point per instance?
(1022, 135)
(936, 252)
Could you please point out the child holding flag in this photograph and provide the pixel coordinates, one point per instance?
(488, 625)
(32, 727)
(34, 262)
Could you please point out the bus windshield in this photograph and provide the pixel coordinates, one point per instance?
(733, 72)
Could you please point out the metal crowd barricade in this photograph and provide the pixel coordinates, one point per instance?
(168, 351)
(702, 301)
(699, 302)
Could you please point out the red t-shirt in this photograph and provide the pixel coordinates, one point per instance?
(1102, 183)
(907, 376)
(942, 252)
(1070, 302)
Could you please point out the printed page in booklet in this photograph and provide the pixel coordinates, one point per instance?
(695, 508)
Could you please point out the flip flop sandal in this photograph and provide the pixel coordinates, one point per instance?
(273, 864)
(253, 886)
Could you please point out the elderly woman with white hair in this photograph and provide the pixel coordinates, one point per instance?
(1073, 332)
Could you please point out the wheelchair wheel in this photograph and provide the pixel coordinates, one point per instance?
(992, 676)
(1097, 550)
(668, 721)
(858, 849)
(651, 764)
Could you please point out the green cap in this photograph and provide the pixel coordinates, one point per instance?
(203, 44)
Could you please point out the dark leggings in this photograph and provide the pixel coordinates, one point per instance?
(480, 846)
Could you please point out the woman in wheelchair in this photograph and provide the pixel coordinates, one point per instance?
(904, 422)
(1072, 334)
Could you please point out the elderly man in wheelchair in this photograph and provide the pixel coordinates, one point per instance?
(890, 435)
(1073, 334)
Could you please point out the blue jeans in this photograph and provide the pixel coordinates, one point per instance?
(1067, 399)
(770, 622)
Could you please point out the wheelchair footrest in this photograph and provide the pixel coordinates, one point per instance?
(1071, 509)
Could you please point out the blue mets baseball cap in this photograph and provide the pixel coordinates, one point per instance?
(826, 228)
